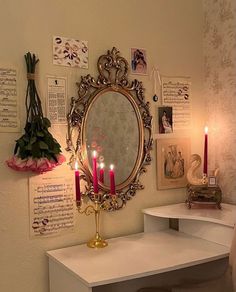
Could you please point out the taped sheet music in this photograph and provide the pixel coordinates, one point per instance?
(9, 112)
(52, 208)
(56, 101)
(176, 93)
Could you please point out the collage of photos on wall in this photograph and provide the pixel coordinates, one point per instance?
(172, 118)
(172, 151)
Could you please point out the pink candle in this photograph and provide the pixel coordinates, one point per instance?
(112, 180)
(95, 176)
(77, 183)
(101, 173)
(205, 151)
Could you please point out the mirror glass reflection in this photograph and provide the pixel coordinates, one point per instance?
(112, 129)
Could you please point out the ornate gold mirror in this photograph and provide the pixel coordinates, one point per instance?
(110, 116)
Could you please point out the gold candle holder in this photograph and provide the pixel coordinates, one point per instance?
(97, 241)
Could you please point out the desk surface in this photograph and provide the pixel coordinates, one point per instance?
(226, 216)
(137, 255)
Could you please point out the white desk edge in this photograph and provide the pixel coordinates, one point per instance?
(221, 252)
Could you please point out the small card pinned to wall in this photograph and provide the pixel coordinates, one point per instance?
(56, 99)
(70, 52)
(9, 107)
(52, 208)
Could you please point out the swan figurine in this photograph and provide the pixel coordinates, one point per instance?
(197, 188)
(192, 177)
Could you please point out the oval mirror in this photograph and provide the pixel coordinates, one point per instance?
(113, 128)
(111, 117)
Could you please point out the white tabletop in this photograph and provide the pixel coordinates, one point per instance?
(136, 256)
(225, 216)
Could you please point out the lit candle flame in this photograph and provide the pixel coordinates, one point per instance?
(111, 167)
(102, 165)
(94, 153)
(76, 165)
(206, 130)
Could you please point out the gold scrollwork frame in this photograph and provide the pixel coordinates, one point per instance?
(113, 76)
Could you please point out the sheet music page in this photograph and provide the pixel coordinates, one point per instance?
(9, 111)
(52, 208)
(176, 93)
(56, 101)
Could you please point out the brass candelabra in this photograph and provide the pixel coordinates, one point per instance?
(99, 204)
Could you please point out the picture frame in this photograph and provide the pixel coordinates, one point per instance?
(138, 61)
(172, 162)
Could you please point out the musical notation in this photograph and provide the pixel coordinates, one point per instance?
(6, 92)
(52, 205)
(9, 112)
(7, 81)
(176, 94)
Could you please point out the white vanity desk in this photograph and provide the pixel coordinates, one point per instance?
(204, 236)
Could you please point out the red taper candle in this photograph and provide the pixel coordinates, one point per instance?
(112, 180)
(101, 172)
(205, 162)
(95, 176)
(77, 183)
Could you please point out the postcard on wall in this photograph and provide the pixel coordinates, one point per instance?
(9, 107)
(52, 208)
(70, 52)
(172, 162)
(176, 93)
(56, 99)
(138, 61)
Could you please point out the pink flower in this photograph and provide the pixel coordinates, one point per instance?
(60, 158)
(39, 165)
(31, 164)
(17, 163)
(43, 165)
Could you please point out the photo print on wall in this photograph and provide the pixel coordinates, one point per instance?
(70, 52)
(138, 61)
(165, 120)
(172, 162)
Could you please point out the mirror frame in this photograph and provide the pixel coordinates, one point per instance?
(113, 76)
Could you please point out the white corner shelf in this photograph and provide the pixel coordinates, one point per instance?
(225, 216)
(208, 224)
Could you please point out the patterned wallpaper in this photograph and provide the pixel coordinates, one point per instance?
(220, 89)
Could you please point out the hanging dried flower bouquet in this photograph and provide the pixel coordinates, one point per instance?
(36, 150)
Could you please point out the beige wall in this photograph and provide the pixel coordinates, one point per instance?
(220, 89)
(171, 31)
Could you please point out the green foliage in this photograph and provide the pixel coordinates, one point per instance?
(36, 142)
